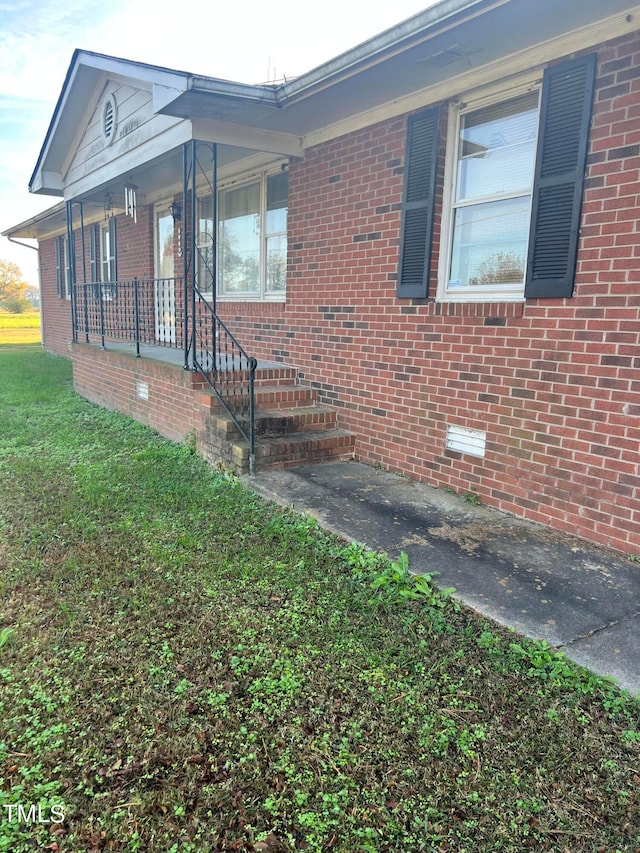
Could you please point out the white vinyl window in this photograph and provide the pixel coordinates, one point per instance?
(486, 218)
(252, 238)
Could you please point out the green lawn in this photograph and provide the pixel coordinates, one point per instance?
(19, 328)
(184, 667)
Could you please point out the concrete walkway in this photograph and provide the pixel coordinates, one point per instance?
(580, 598)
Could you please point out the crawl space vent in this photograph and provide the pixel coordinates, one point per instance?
(463, 440)
(142, 390)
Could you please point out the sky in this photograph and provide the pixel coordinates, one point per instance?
(248, 41)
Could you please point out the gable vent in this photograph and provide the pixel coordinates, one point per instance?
(109, 119)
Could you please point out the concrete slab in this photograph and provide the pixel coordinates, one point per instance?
(580, 598)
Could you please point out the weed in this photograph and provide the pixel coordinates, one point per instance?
(6, 635)
(190, 441)
(396, 579)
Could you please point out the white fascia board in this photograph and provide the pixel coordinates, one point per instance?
(263, 94)
(47, 183)
(244, 136)
(164, 94)
(477, 78)
(167, 99)
(138, 72)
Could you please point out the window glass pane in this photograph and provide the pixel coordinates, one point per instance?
(108, 253)
(165, 261)
(277, 201)
(240, 239)
(497, 148)
(205, 244)
(276, 263)
(490, 243)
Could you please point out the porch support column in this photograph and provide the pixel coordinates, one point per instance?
(186, 253)
(199, 184)
(71, 248)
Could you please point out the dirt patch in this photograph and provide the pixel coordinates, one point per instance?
(468, 537)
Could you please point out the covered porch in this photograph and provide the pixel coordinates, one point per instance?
(170, 315)
(137, 152)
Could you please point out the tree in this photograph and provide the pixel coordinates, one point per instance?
(500, 268)
(13, 287)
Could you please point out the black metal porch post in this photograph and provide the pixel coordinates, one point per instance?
(186, 252)
(84, 279)
(72, 271)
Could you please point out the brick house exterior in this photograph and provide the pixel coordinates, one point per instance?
(546, 388)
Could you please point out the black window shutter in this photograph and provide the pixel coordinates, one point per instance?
(417, 206)
(94, 242)
(60, 266)
(113, 246)
(565, 115)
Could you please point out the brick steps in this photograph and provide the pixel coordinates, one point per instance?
(285, 451)
(291, 428)
(281, 421)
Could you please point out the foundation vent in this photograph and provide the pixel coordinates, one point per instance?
(463, 440)
(142, 390)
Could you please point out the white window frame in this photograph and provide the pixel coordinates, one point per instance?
(63, 271)
(262, 295)
(487, 96)
(107, 254)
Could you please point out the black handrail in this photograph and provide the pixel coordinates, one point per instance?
(228, 369)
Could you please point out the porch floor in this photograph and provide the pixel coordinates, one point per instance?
(171, 355)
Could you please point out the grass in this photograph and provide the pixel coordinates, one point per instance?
(184, 667)
(19, 328)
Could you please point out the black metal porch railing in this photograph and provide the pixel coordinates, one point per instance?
(138, 310)
(157, 312)
(227, 368)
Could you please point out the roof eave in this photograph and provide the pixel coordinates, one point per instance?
(39, 225)
(410, 31)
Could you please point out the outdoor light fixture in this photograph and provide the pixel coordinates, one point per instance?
(176, 211)
(108, 207)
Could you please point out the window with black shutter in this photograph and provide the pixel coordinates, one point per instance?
(513, 189)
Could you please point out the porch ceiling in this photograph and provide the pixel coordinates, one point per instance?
(161, 177)
(156, 181)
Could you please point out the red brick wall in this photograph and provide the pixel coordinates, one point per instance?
(175, 406)
(135, 245)
(555, 383)
(55, 312)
